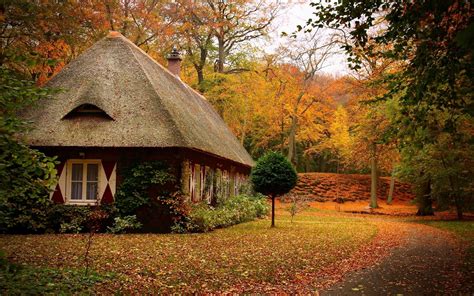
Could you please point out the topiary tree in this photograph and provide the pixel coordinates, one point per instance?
(273, 175)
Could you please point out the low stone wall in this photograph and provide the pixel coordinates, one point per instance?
(350, 187)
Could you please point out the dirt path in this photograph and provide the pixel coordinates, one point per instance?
(429, 263)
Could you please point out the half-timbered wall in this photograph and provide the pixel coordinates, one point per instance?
(202, 176)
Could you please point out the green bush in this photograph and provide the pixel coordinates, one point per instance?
(23, 214)
(41, 217)
(76, 219)
(123, 224)
(26, 174)
(234, 210)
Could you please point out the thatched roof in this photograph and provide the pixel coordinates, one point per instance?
(145, 106)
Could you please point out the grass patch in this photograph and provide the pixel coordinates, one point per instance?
(463, 229)
(243, 254)
(18, 279)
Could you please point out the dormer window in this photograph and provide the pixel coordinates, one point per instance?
(88, 110)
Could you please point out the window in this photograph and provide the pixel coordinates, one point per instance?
(88, 110)
(83, 181)
(208, 187)
(197, 183)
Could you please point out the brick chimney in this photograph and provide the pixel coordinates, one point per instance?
(174, 62)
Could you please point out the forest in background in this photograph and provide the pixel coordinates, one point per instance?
(272, 101)
(283, 100)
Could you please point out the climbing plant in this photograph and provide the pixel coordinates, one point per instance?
(139, 179)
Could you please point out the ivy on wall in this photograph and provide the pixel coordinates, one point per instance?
(139, 179)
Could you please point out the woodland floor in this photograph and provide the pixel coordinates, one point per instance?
(325, 250)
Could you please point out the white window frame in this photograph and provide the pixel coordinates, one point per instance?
(84, 162)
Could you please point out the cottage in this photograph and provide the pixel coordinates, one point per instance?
(118, 106)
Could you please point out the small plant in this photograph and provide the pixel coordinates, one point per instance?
(94, 222)
(297, 205)
(75, 226)
(123, 224)
(273, 175)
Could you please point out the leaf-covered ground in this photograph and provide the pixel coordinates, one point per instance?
(247, 257)
(429, 263)
(318, 250)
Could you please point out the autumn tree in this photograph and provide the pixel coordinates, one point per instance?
(49, 34)
(194, 32)
(253, 105)
(434, 41)
(371, 126)
(338, 141)
(308, 55)
(237, 22)
(39, 38)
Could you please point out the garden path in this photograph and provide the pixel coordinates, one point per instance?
(426, 264)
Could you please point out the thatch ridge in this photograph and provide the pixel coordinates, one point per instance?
(150, 106)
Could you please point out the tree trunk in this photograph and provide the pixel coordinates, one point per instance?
(392, 188)
(457, 199)
(423, 197)
(282, 135)
(200, 75)
(273, 211)
(221, 58)
(292, 140)
(373, 177)
(203, 52)
(125, 19)
(109, 16)
(459, 210)
(339, 199)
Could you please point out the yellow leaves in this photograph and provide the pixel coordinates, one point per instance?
(339, 141)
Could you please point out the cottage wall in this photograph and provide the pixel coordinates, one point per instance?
(200, 175)
(205, 177)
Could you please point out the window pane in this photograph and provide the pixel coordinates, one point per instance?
(92, 178)
(76, 172)
(92, 172)
(76, 190)
(92, 190)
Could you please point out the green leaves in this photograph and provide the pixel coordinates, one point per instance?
(21, 280)
(133, 192)
(273, 175)
(27, 175)
(234, 210)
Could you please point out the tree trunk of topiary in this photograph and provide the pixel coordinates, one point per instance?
(273, 210)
